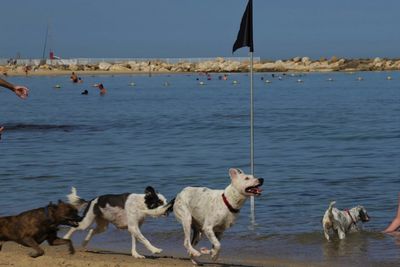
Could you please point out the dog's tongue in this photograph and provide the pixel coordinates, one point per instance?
(258, 190)
(255, 190)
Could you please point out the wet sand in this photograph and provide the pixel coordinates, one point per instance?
(13, 254)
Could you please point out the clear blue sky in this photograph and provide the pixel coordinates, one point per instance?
(200, 28)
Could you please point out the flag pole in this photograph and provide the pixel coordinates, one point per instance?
(252, 208)
(245, 38)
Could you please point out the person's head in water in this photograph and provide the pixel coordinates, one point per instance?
(86, 92)
(103, 90)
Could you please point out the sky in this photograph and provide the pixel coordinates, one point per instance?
(199, 28)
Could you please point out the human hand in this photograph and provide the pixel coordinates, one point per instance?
(21, 91)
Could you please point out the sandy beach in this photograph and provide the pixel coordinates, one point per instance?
(13, 254)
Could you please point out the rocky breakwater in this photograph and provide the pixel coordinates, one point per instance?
(305, 64)
(297, 64)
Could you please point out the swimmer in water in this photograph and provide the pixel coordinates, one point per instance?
(74, 77)
(103, 90)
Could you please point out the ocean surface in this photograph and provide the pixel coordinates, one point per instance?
(315, 142)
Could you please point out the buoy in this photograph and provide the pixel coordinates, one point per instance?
(280, 77)
(235, 82)
(388, 78)
(202, 83)
(299, 80)
(330, 80)
(360, 78)
(132, 84)
(57, 86)
(267, 81)
(166, 84)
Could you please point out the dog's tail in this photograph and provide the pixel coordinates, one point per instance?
(331, 205)
(162, 210)
(75, 200)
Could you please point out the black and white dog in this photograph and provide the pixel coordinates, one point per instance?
(342, 222)
(211, 212)
(125, 211)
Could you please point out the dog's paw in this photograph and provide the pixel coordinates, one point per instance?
(35, 254)
(84, 243)
(194, 253)
(137, 255)
(71, 251)
(156, 250)
(194, 261)
(214, 254)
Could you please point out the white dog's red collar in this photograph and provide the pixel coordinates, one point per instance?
(351, 217)
(228, 205)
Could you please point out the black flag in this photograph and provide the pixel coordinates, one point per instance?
(245, 35)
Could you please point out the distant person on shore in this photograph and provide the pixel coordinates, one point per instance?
(395, 224)
(20, 91)
(102, 89)
(26, 70)
(74, 77)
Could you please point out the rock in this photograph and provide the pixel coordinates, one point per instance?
(45, 67)
(73, 67)
(305, 60)
(232, 66)
(377, 59)
(104, 66)
(118, 67)
(296, 59)
(220, 60)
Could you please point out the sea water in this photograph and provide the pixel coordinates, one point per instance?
(315, 142)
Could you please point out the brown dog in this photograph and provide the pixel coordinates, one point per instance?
(32, 227)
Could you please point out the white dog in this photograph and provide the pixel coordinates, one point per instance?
(213, 211)
(125, 211)
(343, 222)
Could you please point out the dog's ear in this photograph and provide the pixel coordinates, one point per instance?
(149, 191)
(234, 173)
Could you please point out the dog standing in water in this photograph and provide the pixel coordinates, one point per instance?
(343, 222)
(125, 211)
(211, 212)
(32, 227)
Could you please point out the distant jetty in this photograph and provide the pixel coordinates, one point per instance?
(218, 65)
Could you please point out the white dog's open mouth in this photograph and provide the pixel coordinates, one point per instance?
(255, 190)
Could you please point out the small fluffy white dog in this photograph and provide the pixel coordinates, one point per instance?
(342, 222)
(211, 212)
(125, 211)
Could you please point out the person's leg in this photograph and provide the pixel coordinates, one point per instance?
(396, 221)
